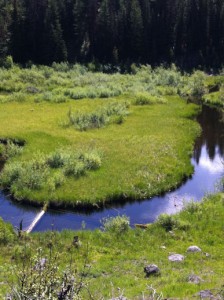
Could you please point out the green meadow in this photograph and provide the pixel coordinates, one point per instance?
(75, 138)
(135, 128)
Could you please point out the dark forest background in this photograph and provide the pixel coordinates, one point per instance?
(189, 33)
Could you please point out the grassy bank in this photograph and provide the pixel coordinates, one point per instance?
(116, 257)
(141, 130)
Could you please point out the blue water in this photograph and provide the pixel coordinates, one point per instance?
(207, 160)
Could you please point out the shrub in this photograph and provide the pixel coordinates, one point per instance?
(168, 222)
(61, 67)
(56, 159)
(11, 149)
(6, 233)
(119, 224)
(17, 97)
(55, 181)
(8, 62)
(73, 167)
(146, 98)
(92, 160)
(10, 174)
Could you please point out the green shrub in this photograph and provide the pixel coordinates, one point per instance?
(17, 97)
(8, 62)
(168, 222)
(92, 160)
(55, 181)
(61, 67)
(119, 224)
(11, 149)
(10, 174)
(56, 159)
(146, 99)
(75, 168)
(6, 233)
(2, 150)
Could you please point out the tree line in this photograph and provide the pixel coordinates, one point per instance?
(189, 33)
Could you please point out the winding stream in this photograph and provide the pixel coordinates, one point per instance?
(207, 159)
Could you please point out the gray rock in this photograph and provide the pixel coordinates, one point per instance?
(205, 294)
(151, 270)
(194, 279)
(176, 257)
(193, 249)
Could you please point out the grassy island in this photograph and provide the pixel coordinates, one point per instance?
(92, 138)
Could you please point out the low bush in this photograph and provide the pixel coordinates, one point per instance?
(168, 222)
(40, 171)
(17, 97)
(10, 150)
(119, 224)
(6, 233)
(99, 118)
(56, 159)
(146, 99)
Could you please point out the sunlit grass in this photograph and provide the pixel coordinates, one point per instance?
(147, 154)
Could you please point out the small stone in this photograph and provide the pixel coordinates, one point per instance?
(163, 247)
(194, 279)
(207, 255)
(205, 294)
(151, 269)
(176, 257)
(193, 249)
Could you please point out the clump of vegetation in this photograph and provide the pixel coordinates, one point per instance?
(168, 222)
(9, 150)
(38, 173)
(118, 225)
(112, 113)
(7, 234)
(146, 99)
(38, 277)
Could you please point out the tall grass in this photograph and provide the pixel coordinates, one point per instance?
(38, 173)
(77, 82)
(114, 112)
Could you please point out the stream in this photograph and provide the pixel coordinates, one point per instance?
(207, 159)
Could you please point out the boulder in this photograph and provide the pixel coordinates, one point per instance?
(205, 294)
(193, 249)
(176, 257)
(194, 279)
(151, 270)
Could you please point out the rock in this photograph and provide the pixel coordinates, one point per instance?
(176, 257)
(205, 294)
(163, 247)
(193, 249)
(207, 255)
(194, 279)
(151, 270)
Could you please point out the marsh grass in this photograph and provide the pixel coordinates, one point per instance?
(114, 112)
(36, 174)
(146, 99)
